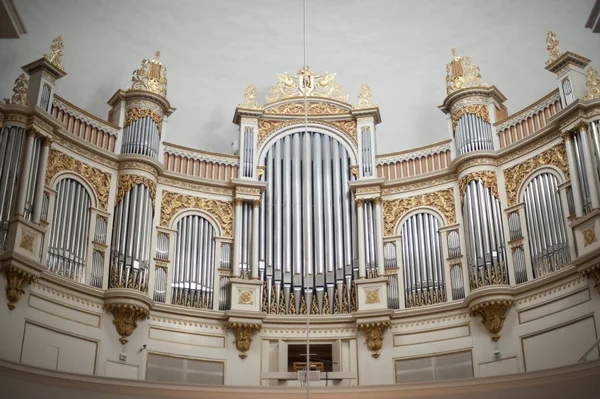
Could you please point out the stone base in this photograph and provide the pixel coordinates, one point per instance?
(371, 293)
(245, 294)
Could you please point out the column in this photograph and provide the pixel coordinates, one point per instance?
(400, 272)
(525, 237)
(574, 175)
(25, 172)
(41, 179)
(589, 166)
(361, 238)
(237, 203)
(217, 274)
(255, 212)
(379, 237)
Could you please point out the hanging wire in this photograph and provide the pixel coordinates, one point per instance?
(306, 132)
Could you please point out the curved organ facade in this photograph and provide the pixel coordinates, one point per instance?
(126, 255)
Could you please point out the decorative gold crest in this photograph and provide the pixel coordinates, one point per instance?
(460, 74)
(306, 82)
(152, 76)
(552, 46)
(245, 297)
(19, 91)
(592, 83)
(372, 296)
(174, 202)
(364, 98)
(56, 53)
(250, 98)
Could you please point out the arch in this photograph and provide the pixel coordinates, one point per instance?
(553, 170)
(199, 212)
(417, 210)
(67, 174)
(313, 127)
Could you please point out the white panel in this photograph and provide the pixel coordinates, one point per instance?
(75, 355)
(56, 309)
(121, 370)
(211, 341)
(567, 302)
(559, 347)
(184, 369)
(431, 336)
(500, 367)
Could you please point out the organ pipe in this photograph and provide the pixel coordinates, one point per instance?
(473, 134)
(12, 140)
(141, 137)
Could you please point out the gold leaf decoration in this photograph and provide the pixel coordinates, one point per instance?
(306, 82)
(479, 110)
(250, 98)
(267, 127)
(127, 182)
(515, 175)
(174, 202)
(152, 76)
(552, 46)
(133, 114)
(56, 52)
(312, 109)
(487, 177)
(460, 74)
(19, 91)
(441, 200)
(592, 83)
(364, 98)
(100, 181)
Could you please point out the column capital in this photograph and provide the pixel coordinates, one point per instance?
(238, 201)
(256, 203)
(47, 141)
(582, 127)
(377, 200)
(359, 202)
(567, 136)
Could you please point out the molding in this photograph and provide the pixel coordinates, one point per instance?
(85, 116)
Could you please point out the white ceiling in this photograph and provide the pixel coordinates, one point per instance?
(214, 48)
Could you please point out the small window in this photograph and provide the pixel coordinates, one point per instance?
(321, 357)
(449, 366)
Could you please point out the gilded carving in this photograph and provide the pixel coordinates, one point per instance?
(310, 108)
(260, 170)
(442, 200)
(267, 127)
(19, 91)
(426, 183)
(493, 315)
(195, 187)
(593, 273)
(552, 46)
(247, 190)
(250, 98)
(592, 83)
(364, 98)
(374, 333)
(174, 202)
(56, 53)
(243, 336)
(460, 74)
(487, 177)
(245, 297)
(354, 170)
(515, 175)
(100, 181)
(16, 281)
(306, 83)
(589, 235)
(152, 76)
(139, 166)
(372, 296)
(133, 114)
(27, 241)
(127, 182)
(479, 110)
(126, 317)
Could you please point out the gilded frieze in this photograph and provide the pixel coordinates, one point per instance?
(592, 83)
(100, 181)
(174, 202)
(127, 182)
(313, 109)
(19, 91)
(515, 175)
(306, 83)
(267, 127)
(487, 177)
(133, 114)
(195, 187)
(441, 200)
(479, 110)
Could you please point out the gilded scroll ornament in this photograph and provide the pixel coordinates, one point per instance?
(260, 170)
(126, 317)
(306, 82)
(479, 110)
(592, 83)
(16, 281)
(245, 297)
(374, 332)
(56, 53)
(19, 91)
(250, 98)
(487, 177)
(243, 336)
(460, 74)
(151, 76)
(515, 175)
(442, 200)
(552, 46)
(267, 127)
(593, 273)
(493, 315)
(364, 97)
(27, 241)
(372, 296)
(589, 235)
(127, 182)
(133, 114)
(99, 180)
(174, 202)
(320, 108)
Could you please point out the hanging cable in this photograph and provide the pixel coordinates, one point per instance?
(306, 132)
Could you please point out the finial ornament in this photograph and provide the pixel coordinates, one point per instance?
(56, 53)
(152, 76)
(306, 82)
(592, 83)
(250, 98)
(552, 46)
(19, 91)
(364, 98)
(460, 74)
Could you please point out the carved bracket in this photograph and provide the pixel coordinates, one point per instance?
(374, 332)
(492, 314)
(243, 335)
(593, 273)
(17, 280)
(126, 317)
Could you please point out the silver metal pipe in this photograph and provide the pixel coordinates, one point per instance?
(318, 206)
(297, 205)
(328, 205)
(287, 204)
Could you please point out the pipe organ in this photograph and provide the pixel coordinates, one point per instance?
(307, 219)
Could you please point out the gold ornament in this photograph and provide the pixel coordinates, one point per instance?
(487, 177)
(243, 336)
(302, 305)
(306, 82)
(353, 307)
(126, 317)
(345, 304)
(16, 281)
(174, 202)
(19, 91)
(364, 98)
(592, 83)
(281, 303)
(265, 300)
(589, 235)
(273, 308)
(372, 296)
(127, 182)
(27, 241)
(292, 307)
(515, 175)
(593, 273)
(310, 108)
(552, 46)
(460, 74)
(267, 127)
(314, 309)
(260, 170)
(354, 170)
(99, 180)
(374, 332)
(336, 301)
(133, 114)
(245, 297)
(441, 200)
(326, 309)
(479, 110)
(250, 98)
(56, 53)
(152, 76)
(493, 315)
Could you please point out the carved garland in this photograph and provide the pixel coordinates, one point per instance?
(313, 109)
(267, 127)
(515, 175)
(479, 110)
(133, 114)
(487, 177)
(127, 182)
(100, 181)
(174, 202)
(394, 210)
